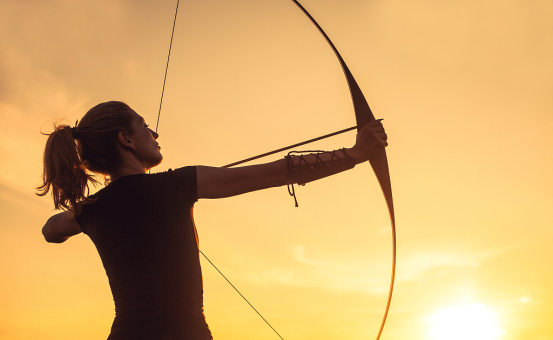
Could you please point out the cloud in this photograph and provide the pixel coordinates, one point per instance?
(358, 275)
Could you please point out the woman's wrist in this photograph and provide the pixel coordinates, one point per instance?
(356, 154)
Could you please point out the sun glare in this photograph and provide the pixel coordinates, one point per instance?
(472, 321)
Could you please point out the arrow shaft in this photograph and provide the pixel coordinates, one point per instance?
(289, 147)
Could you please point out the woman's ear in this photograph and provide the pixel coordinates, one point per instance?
(125, 140)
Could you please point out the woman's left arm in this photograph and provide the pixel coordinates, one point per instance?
(225, 182)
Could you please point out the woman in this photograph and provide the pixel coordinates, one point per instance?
(142, 225)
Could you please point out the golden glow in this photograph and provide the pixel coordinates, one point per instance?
(471, 321)
(464, 88)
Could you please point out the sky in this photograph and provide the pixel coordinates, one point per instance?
(465, 89)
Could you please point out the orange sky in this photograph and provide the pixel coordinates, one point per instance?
(465, 88)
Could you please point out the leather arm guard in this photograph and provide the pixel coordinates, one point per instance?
(301, 172)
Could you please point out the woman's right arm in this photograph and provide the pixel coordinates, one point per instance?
(60, 227)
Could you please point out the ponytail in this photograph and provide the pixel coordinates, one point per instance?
(64, 173)
(72, 155)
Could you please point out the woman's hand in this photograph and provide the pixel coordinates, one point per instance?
(370, 139)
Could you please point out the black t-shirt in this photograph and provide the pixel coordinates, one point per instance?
(143, 229)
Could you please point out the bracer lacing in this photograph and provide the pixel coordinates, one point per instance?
(301, 171)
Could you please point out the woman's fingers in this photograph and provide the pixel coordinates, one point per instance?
(370, 139)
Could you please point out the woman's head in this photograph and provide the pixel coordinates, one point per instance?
(98, 149)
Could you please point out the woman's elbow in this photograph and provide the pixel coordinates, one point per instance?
(49, 234)
(46, 233)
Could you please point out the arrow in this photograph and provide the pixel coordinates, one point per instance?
(290, 147)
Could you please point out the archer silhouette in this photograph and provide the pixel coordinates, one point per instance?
(142, 224)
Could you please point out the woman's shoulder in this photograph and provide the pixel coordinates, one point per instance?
(182, 181)
(184, 173)
(191, 169)
(172, 180)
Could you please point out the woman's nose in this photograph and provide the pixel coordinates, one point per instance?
(154, 134)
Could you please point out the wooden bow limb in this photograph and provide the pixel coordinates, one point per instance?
(364, 115)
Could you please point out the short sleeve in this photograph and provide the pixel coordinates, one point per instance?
(185, 182)
(87, 212)
(80, 220)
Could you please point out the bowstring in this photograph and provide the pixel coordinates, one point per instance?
(167, 65)
(243, 297)
(157, 125)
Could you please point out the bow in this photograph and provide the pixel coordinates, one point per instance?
(363, 116)
(379, 163)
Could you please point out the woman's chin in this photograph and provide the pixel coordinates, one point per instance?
(155, 162)
(160, 160)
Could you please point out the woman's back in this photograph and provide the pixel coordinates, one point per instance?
(143, 230)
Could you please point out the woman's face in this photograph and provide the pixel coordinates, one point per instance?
(147, 149)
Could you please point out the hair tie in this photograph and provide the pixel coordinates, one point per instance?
(74, 133)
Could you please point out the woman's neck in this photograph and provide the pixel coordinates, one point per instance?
(128, 167)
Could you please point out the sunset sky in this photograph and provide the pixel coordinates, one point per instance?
(465, 88)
